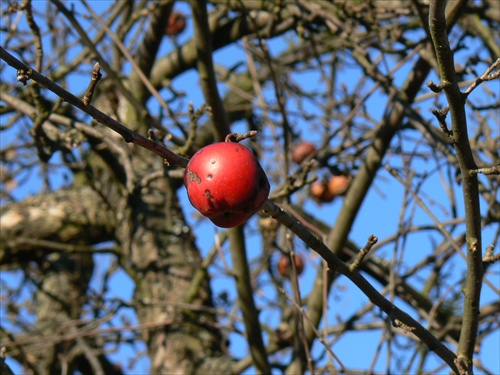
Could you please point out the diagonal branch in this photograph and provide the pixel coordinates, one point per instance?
(398, 317)
(127, 134)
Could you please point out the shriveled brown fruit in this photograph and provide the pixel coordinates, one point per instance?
(321, 193)
(302, 151)
(284, 266)
(338, 185)
(176, 23)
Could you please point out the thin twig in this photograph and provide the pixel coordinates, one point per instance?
(486, 76)
(30, 20)
(236, 137)
(487, 171)
(320, 338)
(139, 108)
(372, 240)
(436, 221)
(131, 60)
(128, 135)
(395, 314)
(85, 333)
(96, 77)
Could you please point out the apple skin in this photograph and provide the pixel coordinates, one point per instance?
(225, 183)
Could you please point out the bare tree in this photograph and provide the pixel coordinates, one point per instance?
(399, 93)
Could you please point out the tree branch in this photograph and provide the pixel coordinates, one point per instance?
(128, 135)
(208, 82)
(398, 317)
(222, 35)
(221, 129)
(246, 300)
(60, 219)
(460, 138)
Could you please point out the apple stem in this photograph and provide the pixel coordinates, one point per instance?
(235, 137)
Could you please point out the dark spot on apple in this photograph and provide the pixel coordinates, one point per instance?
(209, 177)
(210, 200)
(237, 149)
(192, 176)
(213, 161)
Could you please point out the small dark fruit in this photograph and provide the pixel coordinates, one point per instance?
(284, 266)
(302, 151)
(176, 23)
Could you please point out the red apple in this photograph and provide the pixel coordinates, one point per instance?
(302, 151)
(226, 183)
(284, 266)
